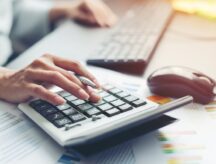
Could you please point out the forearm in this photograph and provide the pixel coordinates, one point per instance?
(4, 73)
(31, 21)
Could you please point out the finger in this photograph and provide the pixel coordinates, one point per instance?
(75, 67)
(58, 79)
(68, 75)
(96, 16)
(102, 14)
(86, 19)
(43, 93)
(94, 97)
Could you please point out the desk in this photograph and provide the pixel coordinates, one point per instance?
(179, 46)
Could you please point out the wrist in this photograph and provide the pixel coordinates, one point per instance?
(4, 76)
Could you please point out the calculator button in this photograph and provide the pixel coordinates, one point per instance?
(110, 98)
(95, 117)
(123, 94)
(108, 86)
(115, 90)
(77, 117)
(63, 106)
(138, 103)
(103, 93)
(71, 98)
(84, 107)
(77, 102)
(99, 103)
(105, 107)
(64, 93)
(61, 122)
(55, 116)
(130, 98)
(37, 103)
(117, 102)
(69, 111)
(42, 107)
(93, 111)
(125, 107)
(70, 126)
(46, 112)
(112, 112)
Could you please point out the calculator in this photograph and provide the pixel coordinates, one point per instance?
(78, 121)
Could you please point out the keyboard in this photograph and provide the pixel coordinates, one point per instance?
(132, 42)
(78, 122)
(114, 101)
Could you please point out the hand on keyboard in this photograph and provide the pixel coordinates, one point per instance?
(90, 12)
(19, 86)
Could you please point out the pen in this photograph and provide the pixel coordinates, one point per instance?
(86, 81)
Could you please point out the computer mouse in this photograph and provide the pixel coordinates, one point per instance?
(178, 81)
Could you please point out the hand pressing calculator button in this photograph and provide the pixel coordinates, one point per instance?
(81, 121)
(114, 101)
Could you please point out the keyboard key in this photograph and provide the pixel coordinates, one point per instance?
(61, 122)
(130, 98)
(77, 117)
(112, 112)
(125, 107)
(105, 107)
(63, 106)
(70, 111)
(77, 102)
(55, 116)
(64, 93)
(115, 90)
(84, 107)
(138, 103)
(117, 102)
(123, 94)
(93, 111)
(71, 98)
(110, 98)
(46, 112)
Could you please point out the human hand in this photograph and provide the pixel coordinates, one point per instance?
(90, 12)
(20, 86)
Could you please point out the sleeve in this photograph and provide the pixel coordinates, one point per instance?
(31, 22)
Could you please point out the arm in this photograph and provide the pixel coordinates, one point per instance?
(31, 22)
(31, 81)
(32, 19)
(90, 12)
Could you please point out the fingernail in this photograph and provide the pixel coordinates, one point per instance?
(83, 94)
(59, 100)
(97, 83)
(93, 93)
